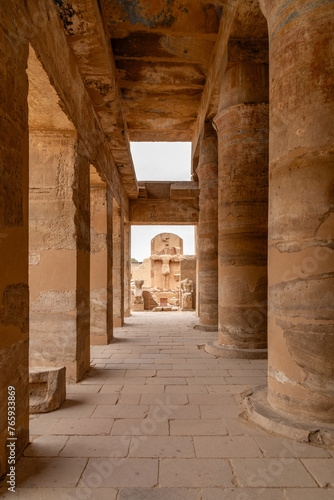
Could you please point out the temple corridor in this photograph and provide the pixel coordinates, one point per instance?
(158, 418)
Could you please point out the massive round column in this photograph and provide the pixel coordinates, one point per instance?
(207, 230)
(242, 127)
(301, 218)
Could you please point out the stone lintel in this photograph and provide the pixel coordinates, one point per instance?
(165, 202)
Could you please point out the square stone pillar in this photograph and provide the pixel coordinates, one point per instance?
(14, 292)
(127, 269)
(118, 265)
(59, 245)
(101, 331)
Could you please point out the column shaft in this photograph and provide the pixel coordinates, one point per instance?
(242, 124)
(207, 229)
(301, 219)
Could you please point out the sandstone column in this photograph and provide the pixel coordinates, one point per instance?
(207, 231)
(242, 127)
(118, 265)
(59, 244)
(301, 219)
(14, 292)
(127, 269)
(100, 332)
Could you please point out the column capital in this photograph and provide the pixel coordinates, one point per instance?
(244, 83)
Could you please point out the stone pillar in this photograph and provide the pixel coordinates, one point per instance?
(242, 127)
(118, 265)
(301, 218)
(59, 245)
(100, 334)
(127, 269)
(110, 258)
(207, 231)
(14, 292)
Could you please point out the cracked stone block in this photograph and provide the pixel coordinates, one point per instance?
(47, 388)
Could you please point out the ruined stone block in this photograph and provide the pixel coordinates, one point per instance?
(47, 388)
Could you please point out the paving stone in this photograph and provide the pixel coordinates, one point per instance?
(308, 494)
(162, 446)
(71, 409)
(166, 380)
(227, 389)
(95, 399)
(160, 494)
(243, 494)
(74, 389)
(174, 373)
(164, 399)
(61, 494)
(210, 399)
(226, 447)
(271, 472)
(49, 472)
(121, 472)
(46, 446)
(221, 411)
(282, 447)
(83, 426)
(96, 446)
(40, 426)
(121, 411)
(195, 472)
(239, 427)
(140, 427)
(197, 427)
(206, 381)
(175, 411)
(186, 389)
(143, 389)
(129, 399)
(322, 470)
(141, 373)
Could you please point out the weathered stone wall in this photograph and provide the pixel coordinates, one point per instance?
(14, 294)
(59, 243)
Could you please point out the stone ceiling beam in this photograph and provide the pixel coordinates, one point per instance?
(165, 203)
(217, 69)
(39, 23)
(86, 34)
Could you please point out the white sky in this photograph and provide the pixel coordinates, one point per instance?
(161, 161)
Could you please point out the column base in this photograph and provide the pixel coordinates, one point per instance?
(259, 411)
(226, 352)
(206, 328)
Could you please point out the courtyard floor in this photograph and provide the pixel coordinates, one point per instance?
(158, 419)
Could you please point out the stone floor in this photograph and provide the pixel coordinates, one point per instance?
(158, 419)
